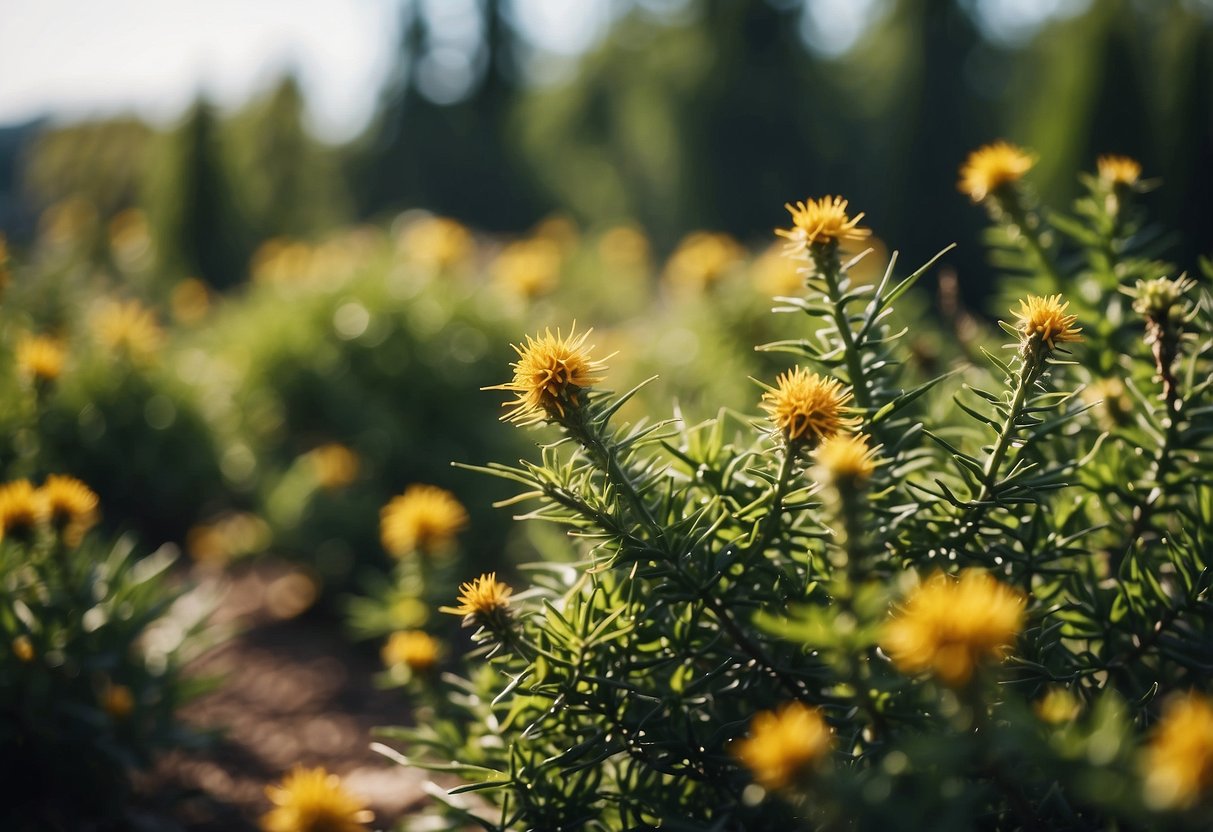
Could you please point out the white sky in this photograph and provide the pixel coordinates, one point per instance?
(78, 58)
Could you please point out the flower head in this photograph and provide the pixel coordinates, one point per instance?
(334, 465)
(484, 601)
(425, 518)
(40, 358)
(702, 259)
(23, 649)
(117, 701)
(991, 167)
(549, 376)
(783, 744)
(312, 800)
(949, 626)
(70, 505)
(130, 328)
(529, 268)
(1179, 759)
(1045, 318)
(821, 222)
(413, 648)
(846, 458)
(806, 407)
(1118, 170)
(437, 243)
(1161, 297)
(21, 509)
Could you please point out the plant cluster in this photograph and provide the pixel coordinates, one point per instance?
(896, 600)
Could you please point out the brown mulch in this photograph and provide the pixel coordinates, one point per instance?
(292, 691)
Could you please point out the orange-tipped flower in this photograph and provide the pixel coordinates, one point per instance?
(1179, 759)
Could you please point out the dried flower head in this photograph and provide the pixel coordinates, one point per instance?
(413, 648)
(484, 601)
(549, 376)
(784, 744)
(1178, 762)
(949, 626)
(70, 505)
(1118, 170)
(334, 465)
(130, 328)
(845, 458)
(312, 800)
(1045, 318)
(821, 222)
(425, 518)
(1161, 297)
(22, 509)
(40, 358)
(806, 407)
(992, 167)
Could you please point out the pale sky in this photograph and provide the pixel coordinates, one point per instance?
(80, 58)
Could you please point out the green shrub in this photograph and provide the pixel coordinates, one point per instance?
(971, 600)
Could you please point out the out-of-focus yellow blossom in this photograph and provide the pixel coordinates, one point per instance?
(22, 509)
(438, 243)
(312, 800)
(40, 358)
(784, 744)
(424, 519)
(70, 505)
(334, 465)
(1178, 762)
(702, 259)
(190, 301)
(130, 328)
(993, 167)
(528, 268)
(413, 648)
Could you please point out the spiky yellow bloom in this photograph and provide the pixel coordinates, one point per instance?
(483, 601)
(1045, 318)
(21, 509)
(117, 701)
(783, 744)
(414, 648)
(128, 327)
(701, 259)
(1178, 762)
(528, 268)
(23, 649)
(40, 358)
(334, 465)
(949, 626)
(1118, 170)
(549, 376)
(821, 221)
(425, 518)
(70, 505)
(992, 167)
(806, 407)
(846, 458)
(312, 800)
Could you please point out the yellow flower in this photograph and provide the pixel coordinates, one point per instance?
(190, 301)
(806, 407)
(1045, 318)
(1057, 706)
(846, 458)
(783, 744)
(312, 800)
(413, 648)
(701, 259)
(484, 600)
(334, 465)
(529, 268)
(23, 649)
(129, 327)
(777, 275)
(21, 509)
(118, 701)
(948, 626)
(821, 222)
(1178, 762)
(425, 518)
(437, 243)
(549, 375)
(624, 247)
(1118, 170)
(70, 505)
(40, 358)
(991, 167)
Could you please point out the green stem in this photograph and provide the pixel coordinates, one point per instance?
(827, 264)
(1023, 382)
(1028, 225)
(771, 522)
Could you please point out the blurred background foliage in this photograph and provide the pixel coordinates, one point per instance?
(686, 114)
